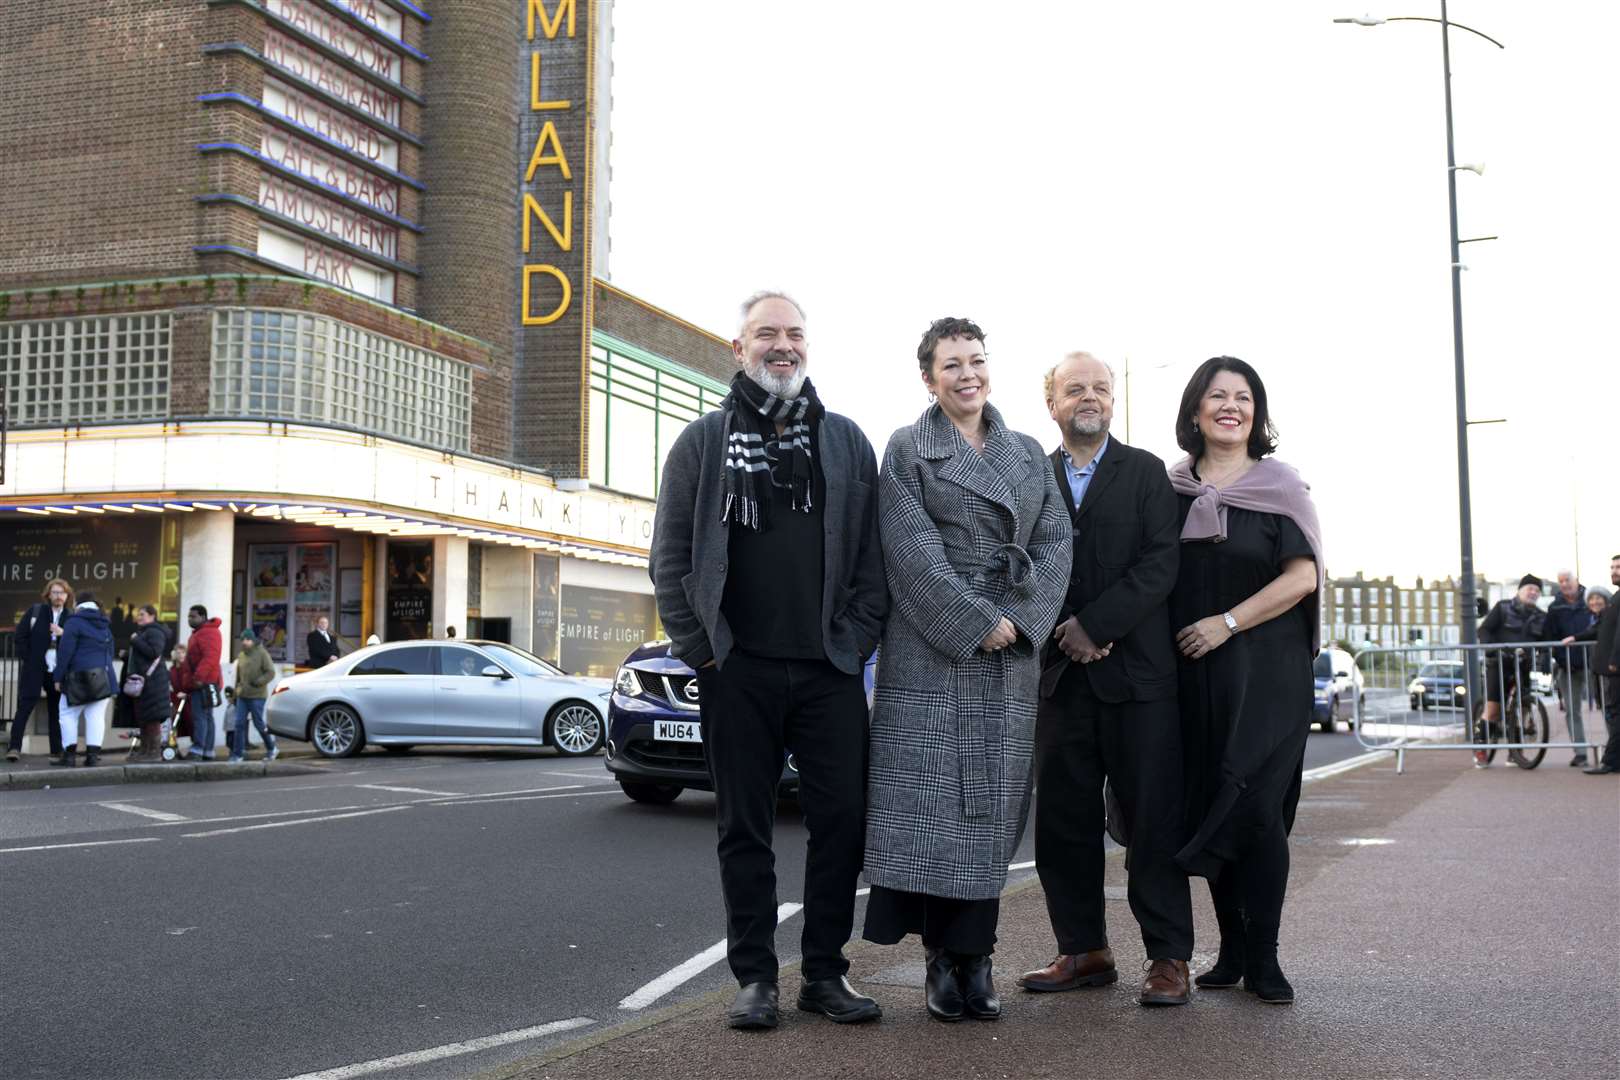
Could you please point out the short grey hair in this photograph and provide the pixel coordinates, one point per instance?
(753, 301)
(1050, 381)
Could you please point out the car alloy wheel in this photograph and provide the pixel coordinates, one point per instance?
(335, 731)
(576, 730)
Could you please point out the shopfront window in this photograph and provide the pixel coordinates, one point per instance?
(296, 366)
(639, 406)
(70, 371)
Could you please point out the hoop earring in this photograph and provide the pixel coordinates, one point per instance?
(933, 398)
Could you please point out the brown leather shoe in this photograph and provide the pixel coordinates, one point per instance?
(1094, 968)
(1166, 984)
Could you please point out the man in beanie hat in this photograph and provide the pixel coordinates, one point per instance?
(1516, 620)
(255, 671)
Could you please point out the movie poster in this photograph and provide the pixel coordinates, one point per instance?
(120, 558)
(600, 627)
(269, 597)
(547, 607)
(410, 590)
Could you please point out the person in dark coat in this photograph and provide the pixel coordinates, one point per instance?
(86, 645)
(147, 648)
(200, 677)
(1108, 701)
(1513, 620)
(1567, 617)
(1246, 603)
(766, 565)
(1605, 659)
(977, 550)
(322, 646)
(35, 642)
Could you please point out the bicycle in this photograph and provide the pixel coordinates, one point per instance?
(1523, 721)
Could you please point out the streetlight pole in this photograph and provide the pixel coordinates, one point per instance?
(1468, 615)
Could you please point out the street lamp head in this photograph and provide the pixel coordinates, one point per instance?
(1477, 168)
(1362, 20)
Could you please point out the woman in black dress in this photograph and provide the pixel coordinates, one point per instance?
(1247, 601)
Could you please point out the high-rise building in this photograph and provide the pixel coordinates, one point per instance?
(304, 311)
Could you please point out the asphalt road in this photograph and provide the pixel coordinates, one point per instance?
(286, 926)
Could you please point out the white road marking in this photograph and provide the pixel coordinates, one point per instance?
(438, 1053)
(411, 790)
(87, 843)
(520, 791)
(299, 821)
(1322, 772)
(143, 811)
(256, 817)
(682, 973)
(520, 798)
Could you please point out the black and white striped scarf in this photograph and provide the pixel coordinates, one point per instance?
(757, 457)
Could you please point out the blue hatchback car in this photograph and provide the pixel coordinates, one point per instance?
(655, 736)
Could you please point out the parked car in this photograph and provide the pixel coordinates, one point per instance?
(655, 737)
(1338, 687)
(413, 693)
(1440, 684)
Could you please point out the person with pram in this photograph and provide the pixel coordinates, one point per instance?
(1516, 619)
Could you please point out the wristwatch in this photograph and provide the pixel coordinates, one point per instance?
(1231, 623)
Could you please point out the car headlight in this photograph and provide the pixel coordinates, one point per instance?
(625, 683)
(1459, 690)
(1417, 688)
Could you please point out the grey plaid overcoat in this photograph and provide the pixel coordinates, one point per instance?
(967, 538)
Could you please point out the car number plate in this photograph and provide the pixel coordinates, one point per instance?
(677, 731)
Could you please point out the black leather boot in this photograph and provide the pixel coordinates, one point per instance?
(979, 999)
(1262, 975)
(1228, 969)
(68, 759)
(92, 755)
(941, 990)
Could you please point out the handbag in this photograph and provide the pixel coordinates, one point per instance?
(86, 685)
(134, 684)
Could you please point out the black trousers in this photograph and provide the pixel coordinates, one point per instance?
(1611, 717)
(752, 712)
(25, 709)
(1080, 741)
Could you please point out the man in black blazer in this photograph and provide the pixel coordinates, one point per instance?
(323, 647)
(1108, 701)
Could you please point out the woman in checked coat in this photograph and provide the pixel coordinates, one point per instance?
(976, 541)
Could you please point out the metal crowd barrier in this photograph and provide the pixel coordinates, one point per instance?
(1435, 697)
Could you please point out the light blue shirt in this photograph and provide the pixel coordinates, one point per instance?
(1080, 479)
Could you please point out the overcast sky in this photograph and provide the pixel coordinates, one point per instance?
(1168, 182)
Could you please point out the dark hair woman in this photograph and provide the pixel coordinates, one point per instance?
(1246, 600)
(148, 648)
(976, 543)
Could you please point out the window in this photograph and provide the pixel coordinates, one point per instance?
(410, 660)
(308, 367)
(524, 663)
(70, 371)
(455, 660)
(1338, 596)
(639, 404)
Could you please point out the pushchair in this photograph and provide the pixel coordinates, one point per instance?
(169, 737)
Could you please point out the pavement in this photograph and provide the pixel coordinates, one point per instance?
(35, 771)
(1448, 922)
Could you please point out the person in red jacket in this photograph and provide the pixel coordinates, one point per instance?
(198, 675)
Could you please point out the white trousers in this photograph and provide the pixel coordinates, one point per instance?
(95, 722)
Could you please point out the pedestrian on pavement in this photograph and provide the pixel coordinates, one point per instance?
(322, 647)
(1606, 658)
(200, 677)
(255, 671)
(1108, 701)
(1246, 600)
(150, 702)
(450, 632)
(977, 551)
(35, 641)
(85, 676)
(766, 564)
(1567, 617)
(1597, 601)
(1515, 619)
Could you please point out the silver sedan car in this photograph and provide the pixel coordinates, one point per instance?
(414, 693)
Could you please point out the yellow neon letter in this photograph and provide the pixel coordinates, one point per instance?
(562, 305)
(550, 23)
(565, 239)
(534, 88)
(537, 159)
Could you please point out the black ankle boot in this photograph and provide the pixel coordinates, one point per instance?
(941, 990)
(92, 755)
(1262, 975)
(1228, 969)
(978, 990)
(69, 758)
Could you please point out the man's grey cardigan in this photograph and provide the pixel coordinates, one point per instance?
(690, 544)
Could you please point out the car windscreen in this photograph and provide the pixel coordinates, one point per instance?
(1440, 671)
(409, 660)
(521, 662)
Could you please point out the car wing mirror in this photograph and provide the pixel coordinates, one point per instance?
(1341, 674)
(494, 671)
